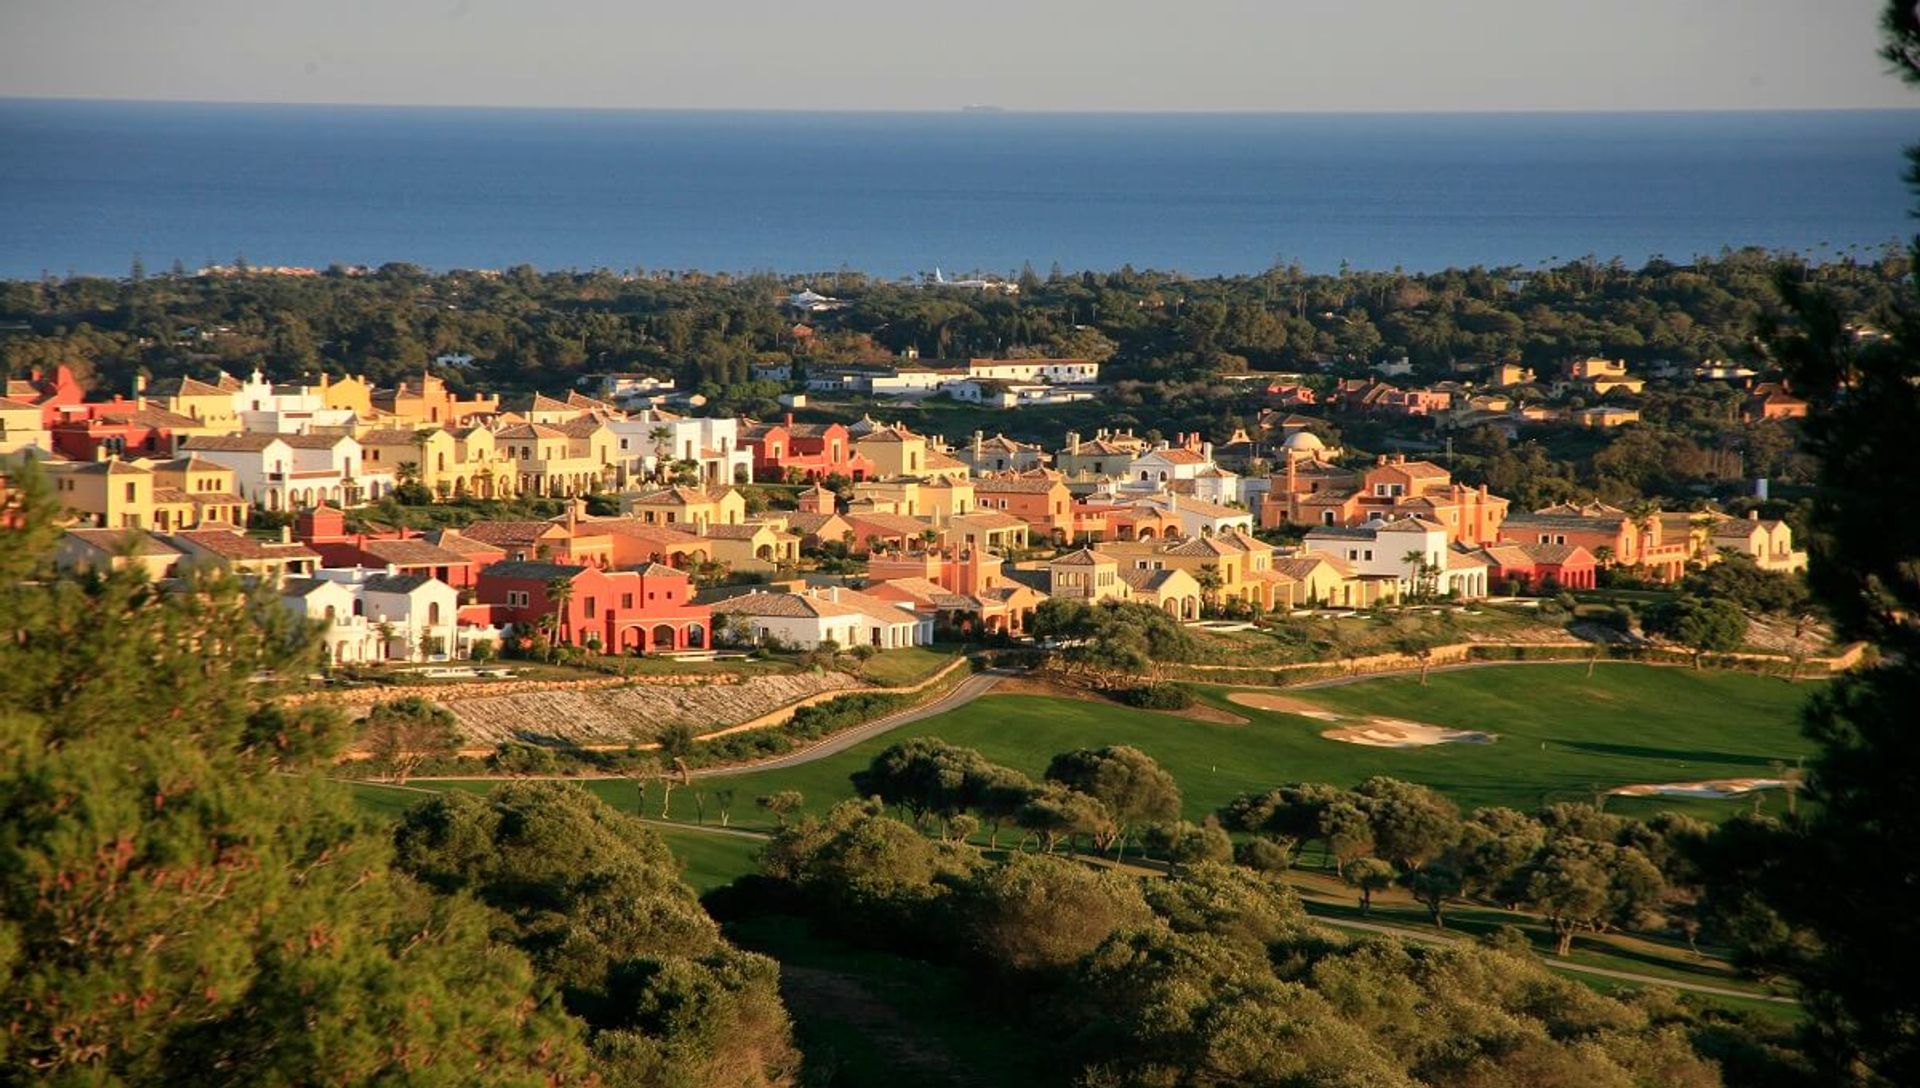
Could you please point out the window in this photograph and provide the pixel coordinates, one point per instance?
(1369, 555)
(130, 492)
(626, 600)
(592, 609)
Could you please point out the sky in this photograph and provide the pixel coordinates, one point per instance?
(1281, 55)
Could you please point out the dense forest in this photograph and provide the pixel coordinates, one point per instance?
(531, 330)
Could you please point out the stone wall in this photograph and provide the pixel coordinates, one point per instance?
(612, 714)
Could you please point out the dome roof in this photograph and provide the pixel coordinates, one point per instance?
(1303, 440)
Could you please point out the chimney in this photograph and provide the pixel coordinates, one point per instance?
(286, 534)
(789, 419)
(1753, 515)
(1073, 442)
(978, 439)
(139, 391)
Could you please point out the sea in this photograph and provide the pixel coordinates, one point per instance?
(90, 187)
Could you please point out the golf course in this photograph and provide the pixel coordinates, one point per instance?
(1553, 734)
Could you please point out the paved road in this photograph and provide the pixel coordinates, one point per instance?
(966, 691)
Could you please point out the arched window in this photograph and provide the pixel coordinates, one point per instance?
(433, 613)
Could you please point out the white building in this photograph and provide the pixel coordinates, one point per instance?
(1412, 551)
(406, 617)
(711, 442)
(293, 471)
(1164, 463)
(1198, 517)
(1048, 371)
(847, 617)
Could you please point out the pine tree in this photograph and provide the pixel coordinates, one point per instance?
(174, 910)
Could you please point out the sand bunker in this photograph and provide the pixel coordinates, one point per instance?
(1717, 788)
(1389, 733)
(1261, 700)
(1372, 732)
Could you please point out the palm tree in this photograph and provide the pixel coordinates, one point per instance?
(559, 596)
(662, 450)
(1210, 582)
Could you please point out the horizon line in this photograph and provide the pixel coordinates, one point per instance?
(976, 109)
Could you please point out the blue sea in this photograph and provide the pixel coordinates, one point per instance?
(87, 186)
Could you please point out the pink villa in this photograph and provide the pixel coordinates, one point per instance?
(647, 610)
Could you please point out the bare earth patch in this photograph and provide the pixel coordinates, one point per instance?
(1372, 732)
(1711, 789)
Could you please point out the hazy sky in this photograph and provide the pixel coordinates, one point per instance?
(915, 54)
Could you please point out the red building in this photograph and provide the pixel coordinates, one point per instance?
(122, 428)
(1539, 568)
(57, 395)
(324, 530)
(649, 610)
(815, 450)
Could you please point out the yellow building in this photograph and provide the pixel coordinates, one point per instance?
(109, 494)
(558, 460)
(192, 492)
(894, 451)
(1086, 575)
(427, 402)
(350, 394)
(114, 549)
(1230, 566)
(688, 508)
(755, 546)
(20, 427)
(213, 404)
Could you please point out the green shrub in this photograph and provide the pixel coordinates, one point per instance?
(1155, 697)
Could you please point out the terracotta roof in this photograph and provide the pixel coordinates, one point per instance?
(1008, 485)
(113, 540)
(531, 570)
(233, 545)
(1085, 557)
(412, 553)
(1299, 567)
(507, 532)
(396, 583)
(989, 519)
(529, 430)
(1149, 580)
(734, 532)
(244, 443)
(891, 524)
(389, 436)
(1175, 456)
(458, 543)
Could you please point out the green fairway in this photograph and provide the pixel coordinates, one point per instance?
(1561, 735)
(711, 859)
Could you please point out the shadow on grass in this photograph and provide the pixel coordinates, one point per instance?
(1637, 751)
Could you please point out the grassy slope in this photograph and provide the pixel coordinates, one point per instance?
(1561, 734)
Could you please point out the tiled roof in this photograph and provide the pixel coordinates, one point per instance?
(734, 532)
(1008, 485)
(506, 532)
(113, 540)
(531, 570)
(412, 553)
(233, 545)
(989, 519)
(390, 436)
(243, 443)
(396, 583)
(1085, 557)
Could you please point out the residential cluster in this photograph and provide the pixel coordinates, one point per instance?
(964, 538)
